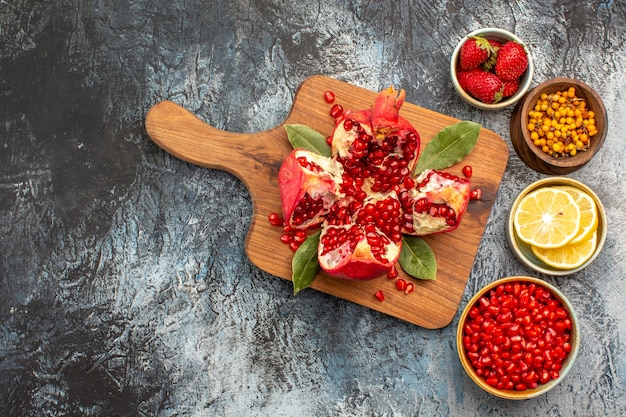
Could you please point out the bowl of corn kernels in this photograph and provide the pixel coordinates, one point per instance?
(559, 126)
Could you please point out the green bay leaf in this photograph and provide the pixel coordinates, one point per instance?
(417, 258)
(302, 136)
(448, 147)
(304, 264)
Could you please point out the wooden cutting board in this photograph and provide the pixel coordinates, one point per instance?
(256, 157)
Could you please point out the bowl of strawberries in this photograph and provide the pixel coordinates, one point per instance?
(491, 68)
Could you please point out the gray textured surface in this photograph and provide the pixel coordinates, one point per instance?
(124, 287)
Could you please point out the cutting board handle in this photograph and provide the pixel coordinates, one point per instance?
(185, 136)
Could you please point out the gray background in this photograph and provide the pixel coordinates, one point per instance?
(124, 286)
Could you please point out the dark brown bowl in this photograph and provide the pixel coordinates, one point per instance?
(531, 154)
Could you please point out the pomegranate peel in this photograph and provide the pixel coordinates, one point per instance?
(436, 204)
(353, 257)
(307, 192)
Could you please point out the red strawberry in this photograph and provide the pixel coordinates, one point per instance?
(474, 51)
(485, 86)
(464, 77)
(510, 87)
(511, 62)
(495, 44)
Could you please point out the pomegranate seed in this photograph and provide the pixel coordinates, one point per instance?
(299, 236)
(409, 182)
(275, 219)
(329, 96)
(336, 110)
(409, 288)
(467, 171)
(286, 239)
(329, 140)
(379, 295)
(393, 273)
(401, 284)
(294, 246)
(476, 194)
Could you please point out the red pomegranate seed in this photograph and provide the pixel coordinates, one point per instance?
(476, 194)
(393, 273)
(409, 288)
(299, 236)
(275, 219)
(401, 284)
(294, 246)
(379, 295)
(329, 96)
(336, 110)
(467, 171)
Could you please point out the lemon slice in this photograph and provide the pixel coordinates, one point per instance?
(547, 218)
(569, 256)
(588, 213)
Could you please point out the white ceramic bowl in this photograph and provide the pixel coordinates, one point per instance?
(522, 250)
(500, 35)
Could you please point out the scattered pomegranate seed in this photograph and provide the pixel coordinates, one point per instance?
(401, 284)
(336, 110)
(275, 219)
(467, 171)
(299, 236)
(409, 288)
(379, 295)
(476, 194)
(286, 239)
(294, 246)
(329, 96)
(329, 140)
(393, 273)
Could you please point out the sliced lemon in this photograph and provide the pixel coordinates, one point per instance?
(569, 256)
(588, 213)
(547, 218)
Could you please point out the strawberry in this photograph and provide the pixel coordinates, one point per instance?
(511, 61)
(464, 77)
(474, 51)
(510, 87)
(483, 85)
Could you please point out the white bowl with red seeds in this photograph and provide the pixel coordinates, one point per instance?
(518, 337)
(491, 68)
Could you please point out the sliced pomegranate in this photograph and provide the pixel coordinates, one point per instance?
(362, 241)
(309, 185)
(363, 195)
(435, 204)
(377, 144)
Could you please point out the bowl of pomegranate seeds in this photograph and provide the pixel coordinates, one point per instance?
(518, 337)
(491, 68)
(559, 126)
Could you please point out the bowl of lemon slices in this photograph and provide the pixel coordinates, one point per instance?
(557, 226)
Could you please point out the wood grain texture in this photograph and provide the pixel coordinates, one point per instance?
(255, 159)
